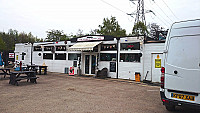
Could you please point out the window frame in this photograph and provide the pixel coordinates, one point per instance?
(137, 57)
(130, 46)
(64, 54)
(48, 58)
(111, 59)
(77, 55)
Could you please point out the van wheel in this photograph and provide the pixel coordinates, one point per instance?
(170, 107)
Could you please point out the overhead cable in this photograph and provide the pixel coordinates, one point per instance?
(170, 10)
(163, 11)
(159, 16)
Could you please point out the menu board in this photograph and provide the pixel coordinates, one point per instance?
(112, 66)
(75, 63)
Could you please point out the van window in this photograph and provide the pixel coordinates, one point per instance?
(184, 31)
(184, 51)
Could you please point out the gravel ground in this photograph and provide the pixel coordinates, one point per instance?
(61, 93)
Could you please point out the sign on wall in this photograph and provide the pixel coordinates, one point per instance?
(17, 57)
(89, 38)
(112, 66)
(157, 63)
(11, 55)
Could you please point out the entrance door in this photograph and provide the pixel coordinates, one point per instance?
(156, 66)
(87, 64)
(90, 64)
(93, 64)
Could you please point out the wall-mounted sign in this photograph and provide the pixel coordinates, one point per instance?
(112, 66)
(75, 63)
(16, 57)
(130, 46)
(90, 38)
(11, 55)
(157, 63)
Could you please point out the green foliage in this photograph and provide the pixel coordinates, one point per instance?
(111, 27)
(8, 40)
(2, 44)
(56, 35)
(140, 29)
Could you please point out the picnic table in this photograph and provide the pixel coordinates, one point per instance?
(21, 75)
(4, 71)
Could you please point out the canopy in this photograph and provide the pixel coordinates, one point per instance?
(83, 46)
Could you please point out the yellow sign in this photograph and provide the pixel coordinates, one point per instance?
(16, 57)
(157, 63)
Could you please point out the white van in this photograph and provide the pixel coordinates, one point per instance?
(180, 79)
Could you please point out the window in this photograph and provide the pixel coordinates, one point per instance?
(60, 48)
(73, 56)
(108, 47)
(130, 46)
(48, 56)
(108, 57)
(37, 48)
(60, 56)
(95, 49)
(130, 57)
(48, 48)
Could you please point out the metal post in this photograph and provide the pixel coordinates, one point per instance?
(118, 38)
(31, 53)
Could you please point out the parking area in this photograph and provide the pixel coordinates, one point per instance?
(57, 92)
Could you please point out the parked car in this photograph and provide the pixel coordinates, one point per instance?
(180, 79)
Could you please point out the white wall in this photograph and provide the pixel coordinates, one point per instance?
(126, 69)
(149, 49)
(103, 64)
(23, 48)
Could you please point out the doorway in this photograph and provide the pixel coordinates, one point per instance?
(90, 64)
(156, 62)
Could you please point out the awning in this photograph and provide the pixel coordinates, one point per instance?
(83, 46)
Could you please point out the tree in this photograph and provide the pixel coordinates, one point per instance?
(111, 27)
(93, 32)
(56, 35)
(79, 33)
(140, 29)
(2, 45)
(13, 37)
(157, 32)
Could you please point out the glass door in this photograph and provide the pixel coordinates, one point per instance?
(93, 62)
(87, 64)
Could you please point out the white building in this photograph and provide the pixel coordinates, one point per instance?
(121, 56)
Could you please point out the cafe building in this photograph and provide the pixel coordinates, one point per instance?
(123, 57)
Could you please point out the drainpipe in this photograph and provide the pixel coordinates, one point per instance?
(118, 38)
(31, 53)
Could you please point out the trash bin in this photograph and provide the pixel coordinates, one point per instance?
(66, 70)
(137, 76)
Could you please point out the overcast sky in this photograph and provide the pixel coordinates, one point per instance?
(38, 16)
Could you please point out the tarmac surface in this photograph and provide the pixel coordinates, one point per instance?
(61, 93)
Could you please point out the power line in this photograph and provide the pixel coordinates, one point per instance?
(162, 11)
(117, 8)
(159, 16)
(170, 10)
(113, 6)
